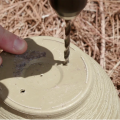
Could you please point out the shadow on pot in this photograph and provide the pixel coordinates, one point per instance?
(37, 60)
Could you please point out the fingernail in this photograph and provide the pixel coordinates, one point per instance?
(19, 44)
(0, 61)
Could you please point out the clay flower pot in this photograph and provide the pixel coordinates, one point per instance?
(37, 85)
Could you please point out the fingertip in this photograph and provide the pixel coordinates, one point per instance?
(26, 46)
(0, 60)
(11, 43)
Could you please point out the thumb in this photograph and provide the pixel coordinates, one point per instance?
(11, 43)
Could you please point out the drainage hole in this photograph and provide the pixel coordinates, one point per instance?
(22, 91)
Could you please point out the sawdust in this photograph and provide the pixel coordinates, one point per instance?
(22, 60)
(96, 30)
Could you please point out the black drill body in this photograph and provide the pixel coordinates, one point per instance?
(68, 8)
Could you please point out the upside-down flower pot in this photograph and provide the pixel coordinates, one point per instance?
(36, 84)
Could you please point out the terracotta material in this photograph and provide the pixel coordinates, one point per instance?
(37, 85)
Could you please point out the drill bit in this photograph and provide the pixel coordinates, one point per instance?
(67, 42)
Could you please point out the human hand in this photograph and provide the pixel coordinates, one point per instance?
(11, 43)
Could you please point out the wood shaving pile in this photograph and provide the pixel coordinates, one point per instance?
(96, 30)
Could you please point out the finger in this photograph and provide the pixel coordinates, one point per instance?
(11, 43)
(0, 60)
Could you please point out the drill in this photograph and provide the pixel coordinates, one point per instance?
(67, 9)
